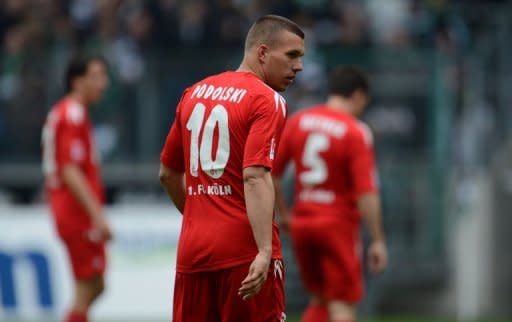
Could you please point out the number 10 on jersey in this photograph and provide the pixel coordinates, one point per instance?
(202, 153)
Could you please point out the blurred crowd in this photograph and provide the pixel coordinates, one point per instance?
(213, 23)
(37, 38)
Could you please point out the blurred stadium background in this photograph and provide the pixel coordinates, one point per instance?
(441, 74)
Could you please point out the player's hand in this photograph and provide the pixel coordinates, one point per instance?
(101, 229)
(257, 276)
(377, 257)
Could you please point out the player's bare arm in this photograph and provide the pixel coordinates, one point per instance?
(369, 206)
(75, 180)
(259, 200)
(281, 206)
(174, 184)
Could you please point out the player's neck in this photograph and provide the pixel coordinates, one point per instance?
(248, 67)
(79, 98)
(338, 103)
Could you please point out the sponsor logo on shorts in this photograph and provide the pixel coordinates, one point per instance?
(278, 269)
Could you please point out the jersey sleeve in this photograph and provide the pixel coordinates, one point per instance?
(71, 139)
(362, 161)
(172, 155)
(266, 121)
(284, 152)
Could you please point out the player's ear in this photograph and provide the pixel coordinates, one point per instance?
(262, 53)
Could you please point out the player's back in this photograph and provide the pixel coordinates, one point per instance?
(333, 159)
(220, 123)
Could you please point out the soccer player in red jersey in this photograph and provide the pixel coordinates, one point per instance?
(215, 166)
(335, 185)
(73, 183)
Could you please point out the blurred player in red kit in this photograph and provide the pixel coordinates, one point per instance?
(335, 185)
(215, 166)
(73, 183)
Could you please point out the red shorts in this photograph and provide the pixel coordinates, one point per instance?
(87, 257)
(329, 259)
(213, 296)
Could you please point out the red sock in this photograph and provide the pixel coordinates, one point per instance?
(74, 316)
(315, 313)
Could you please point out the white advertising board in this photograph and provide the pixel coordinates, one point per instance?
(35, 278)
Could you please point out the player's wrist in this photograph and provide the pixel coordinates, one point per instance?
(98, 217)
(265, 251)
(378, 236)
(379, 241)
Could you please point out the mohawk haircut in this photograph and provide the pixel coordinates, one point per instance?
(267, 28)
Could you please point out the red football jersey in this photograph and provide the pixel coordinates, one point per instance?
(67, 138)
(223, 124)
(334, 163)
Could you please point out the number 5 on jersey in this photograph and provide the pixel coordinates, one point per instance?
(202, 153)
(317, 173)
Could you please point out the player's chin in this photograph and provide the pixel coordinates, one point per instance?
(283, 86)
(97, 97)
(280, 86)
